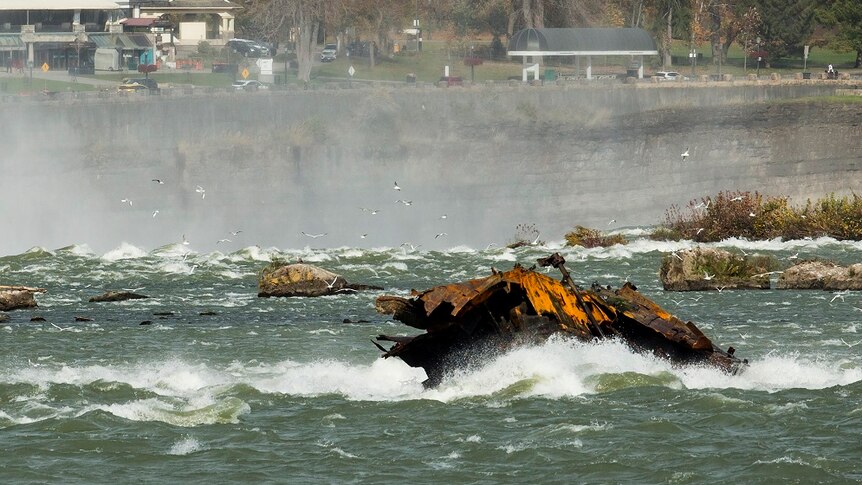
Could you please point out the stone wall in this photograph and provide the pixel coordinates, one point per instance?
(276, 164)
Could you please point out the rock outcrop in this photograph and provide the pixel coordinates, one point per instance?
(17, 297)
(117, 296)
(300, 279)
(821, 275)
(4, 317)
(700, 269)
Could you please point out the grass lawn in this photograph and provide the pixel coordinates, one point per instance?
(21, 85)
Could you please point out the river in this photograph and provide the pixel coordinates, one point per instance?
(227, 387)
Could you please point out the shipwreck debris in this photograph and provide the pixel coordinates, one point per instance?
(509, 308)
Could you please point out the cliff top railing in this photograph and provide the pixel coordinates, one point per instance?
(846, 86)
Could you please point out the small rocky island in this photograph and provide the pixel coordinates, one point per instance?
(301, 279)
(18, 297)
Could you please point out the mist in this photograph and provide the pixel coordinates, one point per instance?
(275, 165)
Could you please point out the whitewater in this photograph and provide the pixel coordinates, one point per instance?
(204, 381)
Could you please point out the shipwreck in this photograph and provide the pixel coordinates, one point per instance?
(463, 321)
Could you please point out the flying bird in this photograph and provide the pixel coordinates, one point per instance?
(363, 236)
(201, 191)
(126, 201)
(442, 234)
(611, 221)
(405, 202)
(314, 236)
(155, 212)
(444, 216)
(395, 186)
(330, 285)
(684, 154)
(223, 241)
(708, 276)
(185, 241)
(158, 181)
(234, 233)
(736, 199)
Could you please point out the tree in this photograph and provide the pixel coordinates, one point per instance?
(846, 17)
(302, 17)
(787, 24)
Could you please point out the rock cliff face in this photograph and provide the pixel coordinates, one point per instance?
(491, 158)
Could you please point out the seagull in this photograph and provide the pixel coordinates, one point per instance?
(201, 191)
(234, 233)
(677, 256)
(490, 246)
(396, 187)
(536, 241)
(412, 247)
(842, 341)
(699, 230)
(676, 301)
(330, 285)
(158, 181)
(720, 288)
(314, 236)
(752, 214)
(405, 202)
(839, 294)
(442, 234)
(185, 241)
(223, 241)
(708, 276)
(126, 201)
(363, 236)
(611, 221)
(67, 328)
(685, 154)
(155, 213)
(736, 199)
(795, 256)
(444, 216)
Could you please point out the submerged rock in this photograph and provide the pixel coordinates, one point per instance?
(300, 279)
(117, 296)
(700, 269)
(4, 317)
(18, 297)
(821, 275)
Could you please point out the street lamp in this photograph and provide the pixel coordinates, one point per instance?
(758, 56)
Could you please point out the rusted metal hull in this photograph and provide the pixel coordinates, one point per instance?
(464, 320)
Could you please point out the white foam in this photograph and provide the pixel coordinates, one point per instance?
(124, 251)
(185, 446)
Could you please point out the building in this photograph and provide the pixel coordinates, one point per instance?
(120, 33)
(193, 21)
(584, 43)
(62, 33)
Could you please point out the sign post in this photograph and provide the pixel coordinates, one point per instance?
(351, 71)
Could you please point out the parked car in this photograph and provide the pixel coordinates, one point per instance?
(249, 85)
(139, 84)
(329, 53)
(248, 48)
(668, 76)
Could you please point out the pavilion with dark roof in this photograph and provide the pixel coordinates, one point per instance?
(584, 42)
